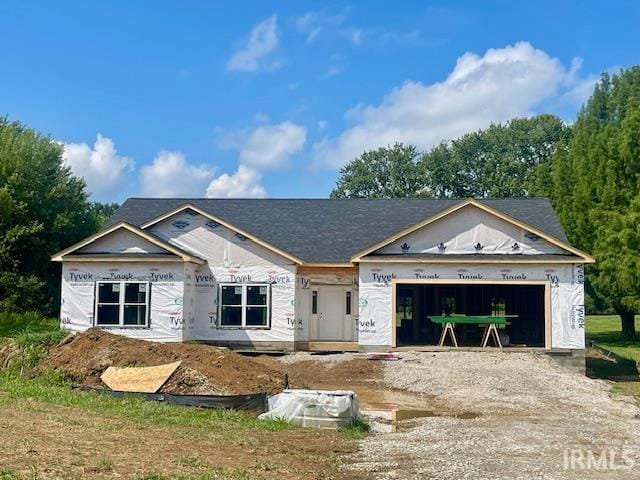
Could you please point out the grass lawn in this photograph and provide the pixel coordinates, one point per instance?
(58, 432)
(604, 330)
(13, 324)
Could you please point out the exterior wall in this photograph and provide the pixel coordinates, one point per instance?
(77, 308)
(566, 283)
(461, 230)
(232, 259)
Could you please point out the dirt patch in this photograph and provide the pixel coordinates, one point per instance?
(57, 442)
(205, 370)
(324, 372)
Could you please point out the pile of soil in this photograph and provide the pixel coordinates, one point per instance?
(326, 372)
(205, 370)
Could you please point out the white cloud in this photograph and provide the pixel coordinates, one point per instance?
(170, 175)
(266, 147)
(501, 84)
(255, 54)
(101, 166)
(244, 183)
(312, 24)
(271, 146)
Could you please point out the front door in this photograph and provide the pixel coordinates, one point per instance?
(332, 318)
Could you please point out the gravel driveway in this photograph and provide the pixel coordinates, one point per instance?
(536, 421)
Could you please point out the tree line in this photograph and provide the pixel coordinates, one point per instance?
(43, 209)
(590, 171)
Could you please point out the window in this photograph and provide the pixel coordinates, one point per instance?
(314, 302)
(348, 306)
(122, 304)
(245, 306)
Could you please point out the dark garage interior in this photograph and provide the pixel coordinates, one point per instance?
(523, 305)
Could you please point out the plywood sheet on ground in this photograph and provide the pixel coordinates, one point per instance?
(138, 379)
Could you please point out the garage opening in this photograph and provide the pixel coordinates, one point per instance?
(421, 307)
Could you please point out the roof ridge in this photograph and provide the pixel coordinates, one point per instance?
(289, 199)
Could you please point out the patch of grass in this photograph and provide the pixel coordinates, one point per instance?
(51, 388)
(193, 461)
(12, 324)
(12, 475)
(357, 429)
(104, 465)
(266, 465)
(32, 333)
(214, 474)
(627, 388)
(605, 330)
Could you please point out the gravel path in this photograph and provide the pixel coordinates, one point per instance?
(534, 418)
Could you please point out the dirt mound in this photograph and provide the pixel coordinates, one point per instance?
(325, 372)
(205, 370)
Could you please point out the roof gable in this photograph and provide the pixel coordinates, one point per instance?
(189, 212)
(472, 223)
(210, 239)
(121, 237)
(470, 230)
(121, 240)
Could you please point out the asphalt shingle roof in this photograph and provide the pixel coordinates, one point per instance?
(331, 230)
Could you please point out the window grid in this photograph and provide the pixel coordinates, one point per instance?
(121, 304)
(244, 305)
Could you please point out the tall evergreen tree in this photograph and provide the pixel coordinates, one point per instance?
(595, 190)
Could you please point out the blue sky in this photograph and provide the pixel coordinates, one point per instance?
(270, 99)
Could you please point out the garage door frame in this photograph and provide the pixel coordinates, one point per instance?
(547, 298)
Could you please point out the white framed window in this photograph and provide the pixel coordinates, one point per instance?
(245, 305)
(122, 304)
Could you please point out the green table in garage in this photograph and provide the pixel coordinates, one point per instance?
(491, 323)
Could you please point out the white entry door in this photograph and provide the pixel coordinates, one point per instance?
(333, 322)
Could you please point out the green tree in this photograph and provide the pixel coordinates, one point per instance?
(595, 190)
(387, 172)
(617, 277)
(102, 211)
(43, 208)
(504, 160)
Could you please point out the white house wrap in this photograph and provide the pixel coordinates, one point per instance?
(325, 274)
(566, 283)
